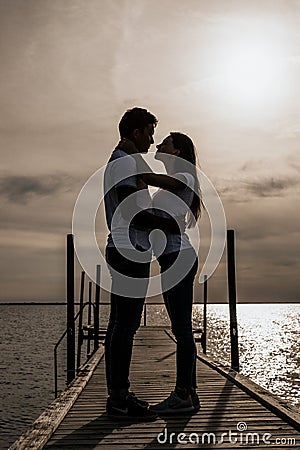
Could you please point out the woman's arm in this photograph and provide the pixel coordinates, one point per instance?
(144, 219)
(156, 179)
(162, 181)
(149, 177)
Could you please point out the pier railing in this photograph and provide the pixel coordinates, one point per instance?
(79, 314)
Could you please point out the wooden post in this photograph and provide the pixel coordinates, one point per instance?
(89, 319)
(80, 332)
(204, 335)
(232, 300)
(96, 309)
(145, 314)
(70, 310)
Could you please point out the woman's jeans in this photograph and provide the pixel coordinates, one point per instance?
(179, 304)
(124, 320)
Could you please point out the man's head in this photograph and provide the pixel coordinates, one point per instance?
(137, 124)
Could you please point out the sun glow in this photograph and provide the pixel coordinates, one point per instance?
(250, 68)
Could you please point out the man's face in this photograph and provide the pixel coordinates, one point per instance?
(144, 138)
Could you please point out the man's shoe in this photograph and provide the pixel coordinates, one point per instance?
(174, 405)
(128, 409)
(142, 403)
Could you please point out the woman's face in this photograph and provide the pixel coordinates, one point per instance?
(167, 147)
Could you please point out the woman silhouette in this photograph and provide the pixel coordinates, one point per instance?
(177, 152)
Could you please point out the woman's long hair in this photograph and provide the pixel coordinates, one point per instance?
(184, 143)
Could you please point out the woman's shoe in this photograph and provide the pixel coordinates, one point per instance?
(174, 405)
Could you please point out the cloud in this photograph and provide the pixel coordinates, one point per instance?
(270, 187)
(20, 189)
(241, 189)
(56, 68)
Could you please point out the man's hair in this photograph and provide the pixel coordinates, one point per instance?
(135, 118)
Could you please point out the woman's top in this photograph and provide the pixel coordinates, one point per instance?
(176, 205)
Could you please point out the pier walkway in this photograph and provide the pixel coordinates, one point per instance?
(231, 417)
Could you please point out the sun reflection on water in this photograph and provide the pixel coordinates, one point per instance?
(268, 343)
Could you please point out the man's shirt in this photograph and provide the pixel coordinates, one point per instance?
(121, 171)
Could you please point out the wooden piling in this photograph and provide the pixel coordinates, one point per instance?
(80, 332)
(96, 309)
(89, 319)
(70, 310)
(232, 300)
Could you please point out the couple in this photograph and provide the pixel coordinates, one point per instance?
(126, 180)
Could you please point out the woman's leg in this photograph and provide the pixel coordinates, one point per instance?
(179, 303)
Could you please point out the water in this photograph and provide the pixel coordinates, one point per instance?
(268, 341)
(268, 344)
(28, 336)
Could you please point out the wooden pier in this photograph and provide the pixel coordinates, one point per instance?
(235, 412)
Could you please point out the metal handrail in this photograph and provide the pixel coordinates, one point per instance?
(59, 342)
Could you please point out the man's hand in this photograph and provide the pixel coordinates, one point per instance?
(127, 146)
(146, 220)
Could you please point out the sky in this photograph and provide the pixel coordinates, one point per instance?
(226, 73)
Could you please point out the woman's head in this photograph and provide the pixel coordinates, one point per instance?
(178, 144)
(181, 145)
(185, 145)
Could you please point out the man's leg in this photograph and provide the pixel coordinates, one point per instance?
(127, 322)
(111, 324)
(124, 320)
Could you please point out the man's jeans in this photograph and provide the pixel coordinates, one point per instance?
(179, 304)
(124, 320)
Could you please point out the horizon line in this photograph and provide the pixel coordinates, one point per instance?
(149, 302)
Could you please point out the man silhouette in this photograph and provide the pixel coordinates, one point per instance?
(121, 181)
